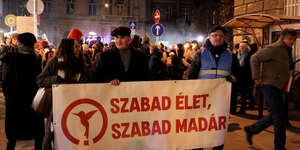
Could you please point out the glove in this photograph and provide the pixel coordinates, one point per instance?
(60, 80)
(231, 78)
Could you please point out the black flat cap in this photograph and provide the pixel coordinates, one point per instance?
(28, 39)
(215, 28)
(121, 30)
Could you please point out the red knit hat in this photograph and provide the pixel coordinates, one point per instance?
(44, 43)
(75, 34)
(135, 41)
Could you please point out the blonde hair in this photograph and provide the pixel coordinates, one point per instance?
(153, 47)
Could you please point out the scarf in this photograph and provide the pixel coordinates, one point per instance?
(61, 70)
(242, 55)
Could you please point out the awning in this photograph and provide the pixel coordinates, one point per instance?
(259, 20)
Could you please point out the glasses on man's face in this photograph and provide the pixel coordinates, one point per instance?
(219, 35)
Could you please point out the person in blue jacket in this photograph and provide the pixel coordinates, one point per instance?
(215, 61)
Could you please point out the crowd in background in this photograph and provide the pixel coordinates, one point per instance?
(32, 62)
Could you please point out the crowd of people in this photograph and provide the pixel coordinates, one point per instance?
(28, 63)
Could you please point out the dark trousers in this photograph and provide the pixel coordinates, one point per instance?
(276, 116)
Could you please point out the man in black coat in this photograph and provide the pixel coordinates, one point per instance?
(21, 121)
(5, 55)
(123, 62)
(246, 85)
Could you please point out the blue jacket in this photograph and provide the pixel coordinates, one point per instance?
(210, 69)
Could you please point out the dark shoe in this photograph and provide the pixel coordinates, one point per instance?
(241, 112)
(249, 134)
(11, 144)
(288, 124)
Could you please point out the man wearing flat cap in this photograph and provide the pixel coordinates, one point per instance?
(215, 61)
(123, 62)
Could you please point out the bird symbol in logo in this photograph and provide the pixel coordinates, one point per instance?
(84, 120)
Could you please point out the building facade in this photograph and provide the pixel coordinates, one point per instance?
(272, 32)
(97, 18)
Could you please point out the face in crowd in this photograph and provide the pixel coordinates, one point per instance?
(243, 46)
(14, 41)
(76, 48)
(122, 42)
(217, 38)
(289, 41)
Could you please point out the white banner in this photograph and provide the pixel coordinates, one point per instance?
(157, 115)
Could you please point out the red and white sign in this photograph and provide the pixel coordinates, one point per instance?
(158, 115)
(156, 16)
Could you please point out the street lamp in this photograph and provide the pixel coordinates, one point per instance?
(106, 5)
(200, 38)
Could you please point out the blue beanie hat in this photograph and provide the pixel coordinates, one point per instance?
(90, 45)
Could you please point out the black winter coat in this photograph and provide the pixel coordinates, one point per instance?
(156, 65)
(246, 75)
(110, 67)
(21, 121)
(146, 48)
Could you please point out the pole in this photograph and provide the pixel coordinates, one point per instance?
(157, 40)
(35, 16)
(11, 29)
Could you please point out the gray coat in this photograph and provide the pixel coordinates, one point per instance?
(276, 64)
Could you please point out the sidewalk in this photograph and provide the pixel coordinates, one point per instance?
(236, 137)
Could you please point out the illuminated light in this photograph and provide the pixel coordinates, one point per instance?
(200, 38)
(194, 45)
(106, 5)
(175, 46)
(186, 45)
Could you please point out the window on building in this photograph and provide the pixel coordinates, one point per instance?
(92, 7)
(291, 8)
(169, 12)
(120, 1)
(128, 8)
(123, 7)
(110, 7)
(185, 14)
(47, 4)
(120, 7)
(70, 7)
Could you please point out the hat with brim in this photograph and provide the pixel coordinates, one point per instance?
(122, 31)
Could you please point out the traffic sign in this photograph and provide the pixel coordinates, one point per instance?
(10, 20)
(157, 29)
(156, 16)
(132, 24)
(39, 6)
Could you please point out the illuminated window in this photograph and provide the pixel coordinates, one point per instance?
(92, 7)
(70, 7)
(291, 8)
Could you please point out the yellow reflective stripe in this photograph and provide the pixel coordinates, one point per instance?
(219, 72)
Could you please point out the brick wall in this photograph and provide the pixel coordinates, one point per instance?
(243, 7)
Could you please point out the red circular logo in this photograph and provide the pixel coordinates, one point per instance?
(69, 109)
